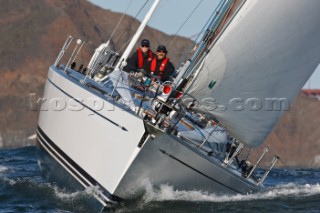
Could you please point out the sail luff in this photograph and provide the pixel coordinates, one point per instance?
(265, 55)
(210, 33)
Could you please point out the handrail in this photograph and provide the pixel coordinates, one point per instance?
(274, 161)
(265, 150)
(228, 160)
(63, 50)
(73, 53)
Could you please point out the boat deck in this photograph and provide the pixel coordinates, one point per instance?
(141, 107)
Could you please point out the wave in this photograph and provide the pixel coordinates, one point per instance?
(47, 189)
(63, 195)
(46, 195)
(3, 169)
(167, 193)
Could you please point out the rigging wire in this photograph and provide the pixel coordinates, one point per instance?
(119, 22)
(187, 19)
(205, 27)
(126, 43)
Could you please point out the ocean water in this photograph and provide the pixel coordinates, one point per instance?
(22, 189)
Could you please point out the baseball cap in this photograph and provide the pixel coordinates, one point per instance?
(162, 48)
(145, 42)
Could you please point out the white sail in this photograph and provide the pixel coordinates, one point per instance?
(269, 50)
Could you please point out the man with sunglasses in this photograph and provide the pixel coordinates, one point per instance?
(161, 66)
(140, 59)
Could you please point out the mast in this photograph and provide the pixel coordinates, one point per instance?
(211, 32)
(117, 74)
(135, 38)
(215, 22)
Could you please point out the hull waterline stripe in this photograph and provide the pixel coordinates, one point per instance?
(165, 153)
(92, 110)
(74, 168)
(50, 151)
(46, 148)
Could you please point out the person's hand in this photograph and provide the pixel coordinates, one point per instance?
(139, 75)
(131, 74)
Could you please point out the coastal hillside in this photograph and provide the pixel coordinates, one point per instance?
(296, 138)
(32, 33)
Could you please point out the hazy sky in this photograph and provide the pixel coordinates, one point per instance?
(171, 14)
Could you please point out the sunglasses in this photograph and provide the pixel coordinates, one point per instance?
(145, 46)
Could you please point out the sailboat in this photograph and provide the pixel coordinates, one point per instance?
(252, 60)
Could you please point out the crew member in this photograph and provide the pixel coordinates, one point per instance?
(140, 59)
(161, 66)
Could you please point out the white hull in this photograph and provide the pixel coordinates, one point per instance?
(166, 160)
(96, 151)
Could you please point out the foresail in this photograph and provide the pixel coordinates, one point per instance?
(259, 64)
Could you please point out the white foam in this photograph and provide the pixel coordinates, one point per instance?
(73, 195)
(167, 193)
(3, 169)
(32, 137)
(65, 195)
(9, 181)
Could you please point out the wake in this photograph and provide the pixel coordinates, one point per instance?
(167, 193)
(3, 169)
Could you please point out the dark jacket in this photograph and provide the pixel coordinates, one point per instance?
(133, 62)
(168, 70)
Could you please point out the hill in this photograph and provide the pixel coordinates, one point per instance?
(296, 138)
(32, 33)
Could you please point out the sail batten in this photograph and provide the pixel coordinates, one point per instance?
(259, 64)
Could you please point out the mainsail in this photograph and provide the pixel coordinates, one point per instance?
(267, 52)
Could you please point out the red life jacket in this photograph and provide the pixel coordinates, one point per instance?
(161, 68)
(140, 57)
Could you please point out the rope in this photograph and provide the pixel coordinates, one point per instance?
(192, 12)
(194, 42)
(126, 43)
(118, 24)
(197, 36)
